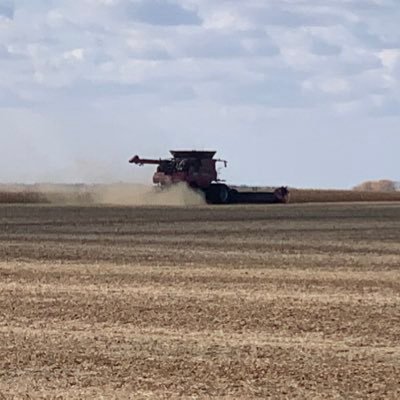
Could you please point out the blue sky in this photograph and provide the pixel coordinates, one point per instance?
(298, 92)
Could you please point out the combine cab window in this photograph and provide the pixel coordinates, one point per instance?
(167, 167)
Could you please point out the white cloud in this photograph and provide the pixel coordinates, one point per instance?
(74, 55)
(390, 58)
(329, 85)
(183, 60)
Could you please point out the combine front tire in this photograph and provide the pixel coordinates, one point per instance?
(218, 194)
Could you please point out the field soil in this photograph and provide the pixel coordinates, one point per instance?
(279, 301)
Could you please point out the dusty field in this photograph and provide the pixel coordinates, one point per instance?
(296, 301)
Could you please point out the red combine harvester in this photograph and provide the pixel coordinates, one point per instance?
(198, 169)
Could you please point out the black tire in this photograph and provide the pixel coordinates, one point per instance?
(218, 194)
(233, 195)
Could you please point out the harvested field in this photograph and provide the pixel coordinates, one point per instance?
(282, 301)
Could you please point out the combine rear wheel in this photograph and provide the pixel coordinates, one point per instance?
(218, 194)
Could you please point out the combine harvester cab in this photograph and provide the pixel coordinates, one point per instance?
(198, 169)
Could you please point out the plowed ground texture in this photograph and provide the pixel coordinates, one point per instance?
(238, 302)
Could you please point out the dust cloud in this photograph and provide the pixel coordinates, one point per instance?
(141, 195)
(123, 194)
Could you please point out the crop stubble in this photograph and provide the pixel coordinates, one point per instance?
(237, 302)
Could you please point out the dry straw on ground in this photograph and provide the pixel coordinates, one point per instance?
(280, 301)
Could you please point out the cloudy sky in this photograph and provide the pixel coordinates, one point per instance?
(297, 92)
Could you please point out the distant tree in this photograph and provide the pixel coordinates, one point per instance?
(383, 185)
